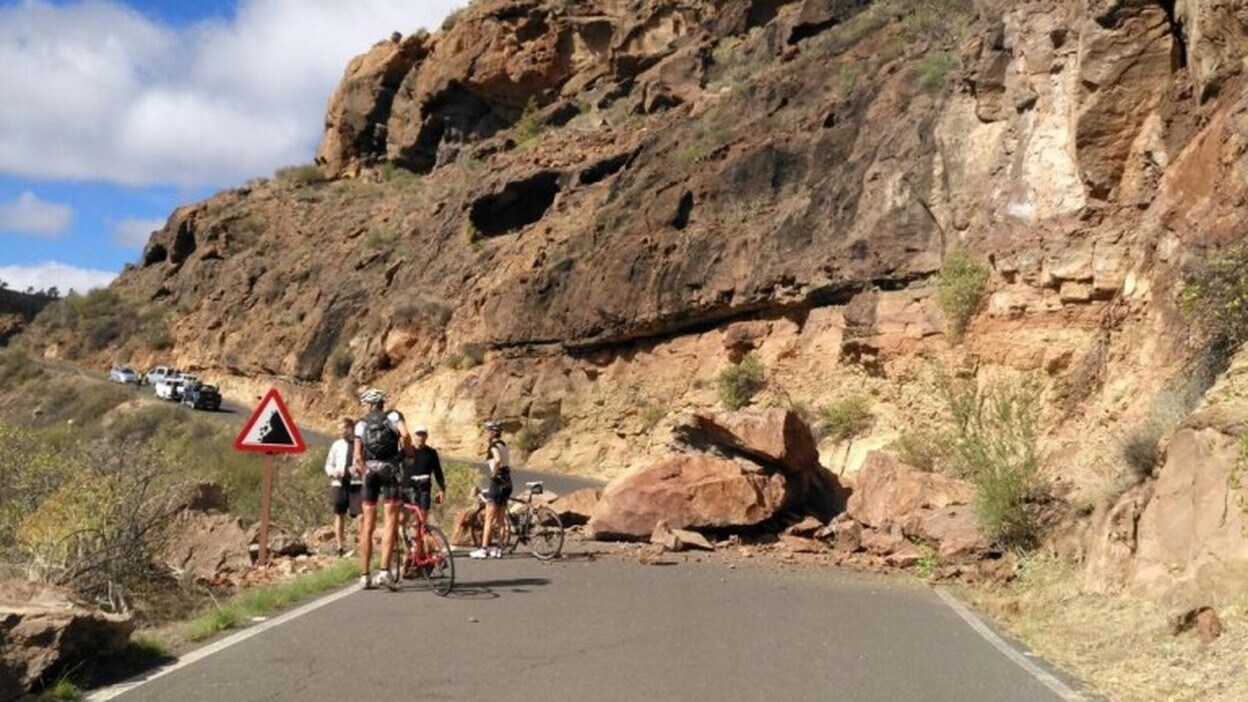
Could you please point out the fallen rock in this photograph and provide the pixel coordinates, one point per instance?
(1203, 620)
(461, 527)
(205, 497)
(888, 492)
(847, 536)
(44, 630)
(808, 527)
(576, 507)
(801, 544)
(935, 509)
(779, 441)
(882, 543)
(204, 547)
(687, 491)
(679, 539)
(652, 555)
(906, 557)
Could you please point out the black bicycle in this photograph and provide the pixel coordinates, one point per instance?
(535, 525)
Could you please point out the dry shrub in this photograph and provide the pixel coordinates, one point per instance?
(738, 384)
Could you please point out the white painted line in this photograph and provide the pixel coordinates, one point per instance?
(1045, 677)
(108, 693)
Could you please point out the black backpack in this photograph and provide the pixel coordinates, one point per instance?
(380, 440)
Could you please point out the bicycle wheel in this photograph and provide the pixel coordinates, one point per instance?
(398, 556)
(504, 536)
(545, 533)
(441, 574)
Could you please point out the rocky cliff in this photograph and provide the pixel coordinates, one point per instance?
(573, 215)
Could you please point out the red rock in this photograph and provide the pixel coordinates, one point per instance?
(577, 507)
(44, 628)
(686, 491)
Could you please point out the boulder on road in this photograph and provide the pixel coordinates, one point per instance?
(896, 503)
(461, 527)
(45, 630)
(686, 491)
(577, 507)
(778, 441)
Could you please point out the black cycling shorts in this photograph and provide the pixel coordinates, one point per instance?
(381, 480)
(346, 499)
(419, 493)
(499, 490)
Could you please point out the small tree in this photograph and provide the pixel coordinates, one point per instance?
(739, 384)
(962, 285)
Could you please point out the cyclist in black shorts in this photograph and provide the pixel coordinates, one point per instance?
(382, 439)
(498, 461)
(422, 468)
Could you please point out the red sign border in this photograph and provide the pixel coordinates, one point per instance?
(299, 446)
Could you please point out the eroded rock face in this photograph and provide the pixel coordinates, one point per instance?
(44, 630)
(1191, 534)
(686, 491)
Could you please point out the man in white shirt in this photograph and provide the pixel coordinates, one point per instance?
(345, 483)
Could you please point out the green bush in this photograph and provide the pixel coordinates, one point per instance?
(302, 175)
(468, 356)
(847, 417)
(933, 71)
(17, 368)
(530, 125)
(962, 284)
(924, 449)
(994, 446)
(534, 435)
(738, 384)
(1215, 296)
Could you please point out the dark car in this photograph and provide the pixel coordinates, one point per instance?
(202, 396)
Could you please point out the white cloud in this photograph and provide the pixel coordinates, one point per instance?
(132, 233)
(32, 216)
(94, 90)
(48, 274)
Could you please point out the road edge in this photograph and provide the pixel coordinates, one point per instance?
(1045, 678)
(116, 690)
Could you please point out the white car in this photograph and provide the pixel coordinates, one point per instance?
(159, 373)
(123, 374)
(170, 388)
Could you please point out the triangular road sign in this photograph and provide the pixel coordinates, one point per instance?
(271, 429)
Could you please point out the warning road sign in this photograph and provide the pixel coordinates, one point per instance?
(271, 429)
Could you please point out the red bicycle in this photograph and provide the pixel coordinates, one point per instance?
(422, 551)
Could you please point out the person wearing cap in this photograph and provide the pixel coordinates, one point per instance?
(498, 460)
(423, 468)
(382, 440)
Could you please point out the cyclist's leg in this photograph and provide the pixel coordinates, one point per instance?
(390, 509)
(372, 491)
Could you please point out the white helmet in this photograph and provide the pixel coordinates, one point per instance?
(372, 396)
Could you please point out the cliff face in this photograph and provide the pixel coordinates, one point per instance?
(573, 215)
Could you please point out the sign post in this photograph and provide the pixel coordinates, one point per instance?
(270, 430)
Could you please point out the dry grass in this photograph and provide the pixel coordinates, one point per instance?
(1120, 645)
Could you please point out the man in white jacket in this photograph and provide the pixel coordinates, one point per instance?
(345, 484)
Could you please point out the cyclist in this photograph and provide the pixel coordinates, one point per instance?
(345, 483)
(498, 459)
(383, 437)
(422, 469)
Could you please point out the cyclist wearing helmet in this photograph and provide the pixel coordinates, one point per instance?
(499, 461)
(383, 437)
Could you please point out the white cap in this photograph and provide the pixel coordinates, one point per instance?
(420, 429)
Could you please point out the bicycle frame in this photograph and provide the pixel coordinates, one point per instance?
(414, 535)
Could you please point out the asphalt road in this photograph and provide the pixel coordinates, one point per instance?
(610, 629)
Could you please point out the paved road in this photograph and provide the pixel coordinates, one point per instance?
(608, 629)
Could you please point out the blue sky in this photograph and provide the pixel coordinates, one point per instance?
(117, 111)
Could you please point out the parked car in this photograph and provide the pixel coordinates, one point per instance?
(202, 396)
(124, 374)
(169, 388)
(159, 373)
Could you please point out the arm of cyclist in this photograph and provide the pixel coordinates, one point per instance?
(438, 476)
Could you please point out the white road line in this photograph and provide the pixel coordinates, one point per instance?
(1046, 678)
(108, 693)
